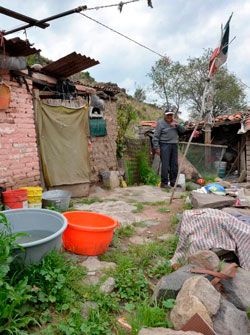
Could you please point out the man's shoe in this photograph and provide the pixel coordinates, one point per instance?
(165, 186)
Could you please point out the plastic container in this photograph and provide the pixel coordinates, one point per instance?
(56, 198)
(4, 96)
(88, 233)
(44, 230)
(13, 199)
(34, 196)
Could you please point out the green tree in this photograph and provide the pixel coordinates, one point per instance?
(229, 95)
(37, 59)
(140, 94)
(167, 82)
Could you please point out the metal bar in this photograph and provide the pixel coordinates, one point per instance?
(21, 17)
(50, 18)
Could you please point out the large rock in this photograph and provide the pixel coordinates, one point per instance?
(170, 285)
(237, 289)
(202, 200)
(230, 321)
(92, 264)
(187, 168)
(205, 259)
(165, 331)
(185, 308)
(108, 286)
(202, 289)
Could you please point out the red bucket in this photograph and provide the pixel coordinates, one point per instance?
(15, 199)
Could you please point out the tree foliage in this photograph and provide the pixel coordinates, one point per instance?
(178, 85)
(167, 80)
(140, 94)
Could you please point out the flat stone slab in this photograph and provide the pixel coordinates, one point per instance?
(119, 210)
(92, 264)
(202, 200)
(165, 331)
(166, 237)
(144, 193)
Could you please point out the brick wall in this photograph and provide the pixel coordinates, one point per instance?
(19, 163)
(103, 155)
(248, 155)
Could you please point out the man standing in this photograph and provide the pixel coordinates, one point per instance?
(165, 143)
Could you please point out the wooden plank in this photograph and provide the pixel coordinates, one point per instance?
(204, 145)
(43, 78)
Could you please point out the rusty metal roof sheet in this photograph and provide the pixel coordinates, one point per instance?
(16, 47)
(69, 65)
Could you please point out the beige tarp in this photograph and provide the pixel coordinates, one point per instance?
(63, 143)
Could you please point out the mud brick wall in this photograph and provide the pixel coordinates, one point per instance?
(133, 148)
(248, 155)
(19, 163)
(103, 155)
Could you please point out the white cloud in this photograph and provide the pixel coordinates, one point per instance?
(177, 28)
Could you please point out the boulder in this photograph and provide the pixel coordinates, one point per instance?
(165, 331)
(169, 286)
(205, 259)
(230, 321)
(237, 289)
(185, 308)
(92, 264)
(203, 290)
(203, 200)
(110, 179)
(108, 286)
(187, 169)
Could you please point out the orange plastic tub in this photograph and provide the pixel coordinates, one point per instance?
(88, 233)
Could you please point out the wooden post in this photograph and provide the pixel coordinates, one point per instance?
(208, 148)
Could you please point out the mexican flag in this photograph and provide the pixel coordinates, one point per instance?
(219, 55)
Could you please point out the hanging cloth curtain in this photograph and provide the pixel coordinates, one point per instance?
(4, 96)
(63, 137)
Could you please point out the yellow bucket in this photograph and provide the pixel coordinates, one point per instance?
(34, 196)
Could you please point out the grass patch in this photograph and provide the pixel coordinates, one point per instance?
(145, 315)
(163, 210)
(126, 231)
(139, 207)
(175, 220)
(88, 201)
(187, 206)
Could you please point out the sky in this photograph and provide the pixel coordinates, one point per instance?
(178, 29)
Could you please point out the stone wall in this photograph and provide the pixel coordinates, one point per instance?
(18, 145)
(103, 155)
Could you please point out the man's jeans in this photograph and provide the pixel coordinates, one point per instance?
(169, 161)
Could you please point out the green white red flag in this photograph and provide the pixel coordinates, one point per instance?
(219, 55)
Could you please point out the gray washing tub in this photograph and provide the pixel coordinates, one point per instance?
(44, 230)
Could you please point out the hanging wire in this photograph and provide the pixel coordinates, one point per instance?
(125, 36)
(118, 5)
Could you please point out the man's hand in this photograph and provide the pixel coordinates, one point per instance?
(173, 124)
(158, 151)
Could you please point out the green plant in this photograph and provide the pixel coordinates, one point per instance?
(175, 220)
(89, 201)
(147, 175)
(139, 207)
(163, 210)
(52, 280)
(125, 114)
(14, 294)
(145, 315)
(248, 312)
(159, 269)
(126, 231)
(169, 303)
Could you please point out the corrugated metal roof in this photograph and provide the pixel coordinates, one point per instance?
(69, 65)
(16, 47)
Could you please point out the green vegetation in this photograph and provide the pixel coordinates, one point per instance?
(49, 298)
(163, 210)
(88, 201)
(139, 207)
(147, 175)
(175, 220)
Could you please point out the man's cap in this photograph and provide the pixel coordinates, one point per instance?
(167, 112)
